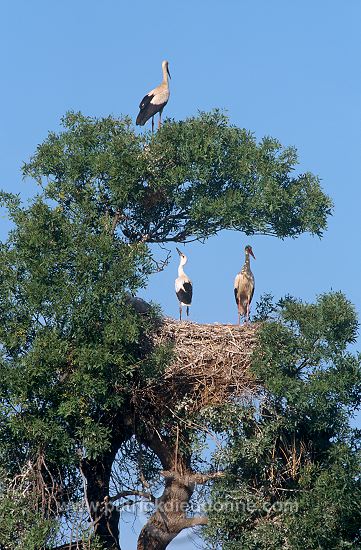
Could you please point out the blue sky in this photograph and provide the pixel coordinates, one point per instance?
(286, 69)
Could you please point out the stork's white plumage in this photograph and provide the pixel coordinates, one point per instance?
(155, 100)
(244, 286)
(183, 286)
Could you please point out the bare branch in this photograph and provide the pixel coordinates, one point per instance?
(85, 489)
(162, 264)
(125, 494)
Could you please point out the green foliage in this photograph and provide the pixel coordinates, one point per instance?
(189, 180)
(292, 460)
(68, 336)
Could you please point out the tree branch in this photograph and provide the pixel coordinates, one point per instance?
(193, 522)
(116, 220)
(124, 494)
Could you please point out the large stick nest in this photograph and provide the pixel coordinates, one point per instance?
(210, 366)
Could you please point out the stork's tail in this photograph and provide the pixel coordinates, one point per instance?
(242, 307)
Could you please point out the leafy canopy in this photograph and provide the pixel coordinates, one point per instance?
(189, 180)
(292, 460)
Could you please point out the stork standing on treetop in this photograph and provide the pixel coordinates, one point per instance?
(155, 100)
(244, 286)
(183, 286)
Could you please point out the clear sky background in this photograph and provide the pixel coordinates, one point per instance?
(286, 69)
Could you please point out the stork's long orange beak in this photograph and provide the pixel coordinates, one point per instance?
(251, 252)
(168, 72)
(179, 252)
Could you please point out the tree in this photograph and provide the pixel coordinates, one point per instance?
(292, 461)
(73, 346)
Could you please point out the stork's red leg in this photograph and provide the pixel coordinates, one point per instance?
(160, 120)
(180, 312)
(152, 124)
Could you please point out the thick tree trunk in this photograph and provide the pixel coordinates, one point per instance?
(169, 518)
(170, 515)
(105, 517)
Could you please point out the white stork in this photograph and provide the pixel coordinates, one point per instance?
(244, 286)
(155, 100)
(183, 286)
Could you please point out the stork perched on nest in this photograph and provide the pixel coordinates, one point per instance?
(183, 286)
(244, 286)
(155, 100)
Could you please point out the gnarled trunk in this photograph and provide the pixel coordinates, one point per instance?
(170, 515)
(169, 518)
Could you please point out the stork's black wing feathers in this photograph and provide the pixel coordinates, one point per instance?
(145, 101)
(235, 295)
(145, 109)
(148, 111)
(185, 294)
(250, 300)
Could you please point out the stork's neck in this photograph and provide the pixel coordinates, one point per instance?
(180, 268)
(165, 74)
(247, 262)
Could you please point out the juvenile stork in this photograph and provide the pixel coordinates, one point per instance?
(155, 100)
(244, 286)
(183, 286)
